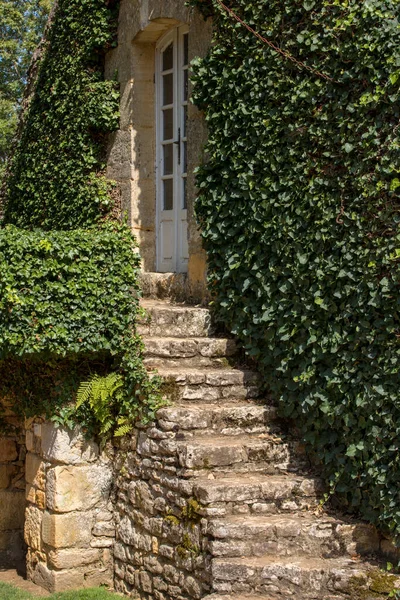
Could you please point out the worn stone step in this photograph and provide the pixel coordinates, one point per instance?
(262, 453)
(209, 385)
(173, 347)
(236, 597)
(290, 535)
(153, 362)
(222, 453)
(315, 578)
(257, 494)
(225, 418)
(171, 320)
(298, 597)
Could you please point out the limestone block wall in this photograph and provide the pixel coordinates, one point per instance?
(12, 490)
(69, 527)
(132, 150)
(160, 549)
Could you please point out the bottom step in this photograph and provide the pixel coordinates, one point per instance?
(245, 597)
(311, 578)
(236, 597)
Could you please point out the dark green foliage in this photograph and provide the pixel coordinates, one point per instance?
(34, 387)
(69, 294)
(299, 207)
(66, 292)
(54, 182)
(68, 308)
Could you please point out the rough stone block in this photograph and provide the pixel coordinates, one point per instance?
(73, 558)
(12, 509)
(65, 446)
(40, 499)
(30, 441)
(106, 528)
(8, 450)
(99, 576)
(6, 473)
(67, 530)
(35, 471)
(31, 493)
(57, 581)
(33, 527)
(77, 488)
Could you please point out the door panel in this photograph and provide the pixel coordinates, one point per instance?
(171, 163)
(167, 240)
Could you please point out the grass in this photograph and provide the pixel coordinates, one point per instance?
(9, 592)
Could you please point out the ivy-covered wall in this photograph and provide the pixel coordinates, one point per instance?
(55, 177)
(299, 208)
(69, 294)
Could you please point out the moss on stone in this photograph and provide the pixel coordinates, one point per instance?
(187, 547)
(172, 519)
(191, 512)
(379, 585)
(170, 389)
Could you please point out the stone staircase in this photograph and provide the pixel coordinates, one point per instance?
(262, 534)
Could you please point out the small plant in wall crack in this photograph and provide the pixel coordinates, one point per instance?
(187, 547)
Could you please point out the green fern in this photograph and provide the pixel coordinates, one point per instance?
(104, 395)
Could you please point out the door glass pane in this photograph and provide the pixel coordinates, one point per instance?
(168, 152)
(168, 193)
(168, 124)
(168, 58)
(185, 49)
(185, 85)
(168, 89)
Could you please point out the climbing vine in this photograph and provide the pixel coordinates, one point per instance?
(299, 208)
(69, 293)
(55, 179)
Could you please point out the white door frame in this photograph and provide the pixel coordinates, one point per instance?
(171, 222)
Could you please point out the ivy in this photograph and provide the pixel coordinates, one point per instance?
(54, 177)
(69, 293)
(53, 287)
(299, 208)
(68, 308)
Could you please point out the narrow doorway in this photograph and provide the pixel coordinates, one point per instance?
(171, 157)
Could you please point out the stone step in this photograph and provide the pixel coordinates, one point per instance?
(224, 453)
(257, 494)
(225, 418)
(236, 597)
(197, 456)
(300, 577)
(209, 385)
(153, 362)
(164, 285)
(173, 347)
(171, 320)
(268, 597)
(170, 352)
(292, 535)
(188, 353)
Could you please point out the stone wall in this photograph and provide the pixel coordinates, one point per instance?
(132, 150)
(12, 491)
(69, 527)
(160, 550)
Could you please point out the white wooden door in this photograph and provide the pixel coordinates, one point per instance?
(171, 163)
